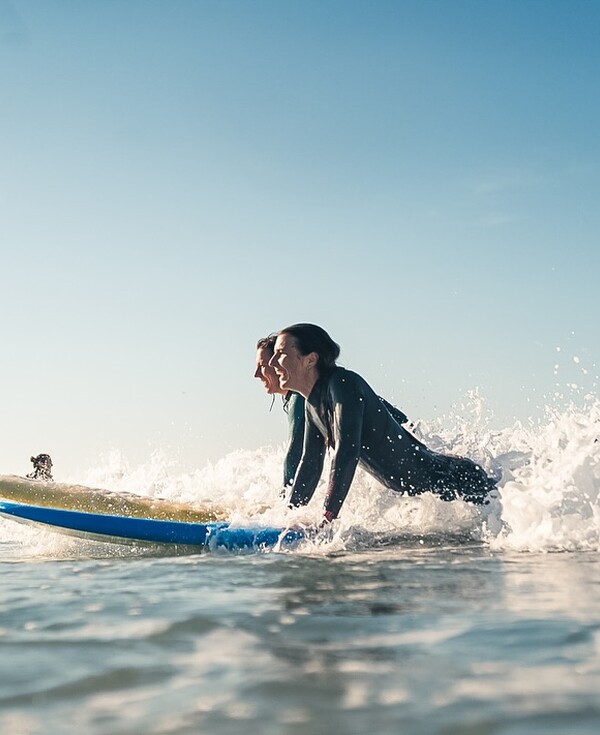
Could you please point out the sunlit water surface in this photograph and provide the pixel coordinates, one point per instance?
(416, 617)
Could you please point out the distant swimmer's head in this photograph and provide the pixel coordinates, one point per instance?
(303, 353)
(264, 372)
(42, 467)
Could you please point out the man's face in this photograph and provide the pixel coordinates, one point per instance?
(265, 373)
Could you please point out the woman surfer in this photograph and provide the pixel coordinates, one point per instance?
(293, 405)
(344, 413)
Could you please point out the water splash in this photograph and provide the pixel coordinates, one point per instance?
(548, 499)
(551, 501)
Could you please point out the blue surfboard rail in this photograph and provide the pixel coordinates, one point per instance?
(111, 528)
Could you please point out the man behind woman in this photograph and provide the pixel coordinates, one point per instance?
(344, 414)
(293, 405)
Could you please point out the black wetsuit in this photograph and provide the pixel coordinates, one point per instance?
(293, 405)
(344, 413)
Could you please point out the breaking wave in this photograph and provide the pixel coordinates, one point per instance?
(548, 489)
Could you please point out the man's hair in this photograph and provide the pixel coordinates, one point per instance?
(267, 343)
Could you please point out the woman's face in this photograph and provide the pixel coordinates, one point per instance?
(290, 366)
(265, 373)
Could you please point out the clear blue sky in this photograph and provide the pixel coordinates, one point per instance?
(180, 177)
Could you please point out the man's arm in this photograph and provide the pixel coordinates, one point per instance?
(293, 454)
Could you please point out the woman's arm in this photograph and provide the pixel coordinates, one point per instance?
(310, 467)
(348, 413)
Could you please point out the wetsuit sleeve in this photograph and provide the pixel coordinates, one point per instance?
(348, 413)
(296, 440)
(396, 413)
(310, 467)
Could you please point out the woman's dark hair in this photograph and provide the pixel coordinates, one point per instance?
(267, 343)
(311, 338)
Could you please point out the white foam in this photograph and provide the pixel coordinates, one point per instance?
(548, 499)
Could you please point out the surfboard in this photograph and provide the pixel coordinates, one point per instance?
(93, 500)
(125, 529)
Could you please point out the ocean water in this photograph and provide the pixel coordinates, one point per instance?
(416, 616)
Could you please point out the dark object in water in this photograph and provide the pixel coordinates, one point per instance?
(42, 468)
